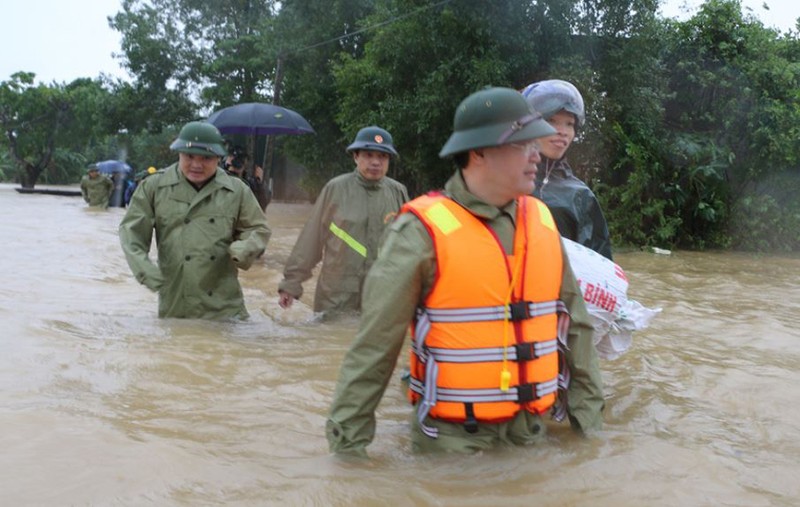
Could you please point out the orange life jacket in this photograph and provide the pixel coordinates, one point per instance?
(474, 327)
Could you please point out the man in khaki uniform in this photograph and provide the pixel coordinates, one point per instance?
(411, 282)
(207, 225)
(96, 188)
(346, 227)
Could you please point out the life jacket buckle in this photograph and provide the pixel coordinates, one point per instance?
(526, 351)
(519, 310)
(526, 393)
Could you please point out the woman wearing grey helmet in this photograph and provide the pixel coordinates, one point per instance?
(573, 204)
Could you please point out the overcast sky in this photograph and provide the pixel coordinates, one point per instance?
(60, 40)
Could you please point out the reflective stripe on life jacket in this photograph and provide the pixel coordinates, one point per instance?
(474, 325)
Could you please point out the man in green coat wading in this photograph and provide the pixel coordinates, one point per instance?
(207, 224)
(479, 272)
(96, 188)
(346, 227)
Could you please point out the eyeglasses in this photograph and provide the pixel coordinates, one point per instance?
(528, 148)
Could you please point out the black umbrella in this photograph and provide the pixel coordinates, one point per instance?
(255, 118)
(258, 119)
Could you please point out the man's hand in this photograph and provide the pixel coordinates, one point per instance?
(285, 299)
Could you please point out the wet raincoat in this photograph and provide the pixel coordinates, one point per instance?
(96, 191)
(344, 231)
(399, 282)
(203, 238)
(573, 204)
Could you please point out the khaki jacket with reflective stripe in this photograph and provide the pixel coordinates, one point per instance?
(344, 231)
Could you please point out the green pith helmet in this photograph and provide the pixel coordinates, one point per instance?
(493, 117)
(373, 138)
(554, 95)
(91, 167)
(199, 138)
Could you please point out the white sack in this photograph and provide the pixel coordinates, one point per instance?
(605, 290)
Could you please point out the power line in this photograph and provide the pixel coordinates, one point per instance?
(378, 25)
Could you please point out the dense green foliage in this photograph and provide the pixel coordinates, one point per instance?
(693, 128)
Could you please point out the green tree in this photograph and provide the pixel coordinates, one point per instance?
(213, 50)
(686, 121)
(418, 65)
(53, 131)
(733, 115)
(309, 36)
(134, 108)
(31, 116)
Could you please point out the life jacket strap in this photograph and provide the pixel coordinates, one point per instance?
(430, 394)
(429, 397)
(559, 411)
(519, 310)
(522, 393)
(470, 423)
(516, 352)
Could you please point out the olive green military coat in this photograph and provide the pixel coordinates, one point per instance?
(344, 230)
(202, 237)
(96, 191)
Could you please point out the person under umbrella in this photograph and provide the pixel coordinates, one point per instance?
(235, 164)
(259, 119)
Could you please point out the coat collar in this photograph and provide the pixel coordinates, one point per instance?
(368, 184)
(185, 192)
(457, 190)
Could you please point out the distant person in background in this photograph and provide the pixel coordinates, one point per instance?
(207, 226)
(235, 164)
(137, 179)
(346, 227)
(96, 188)
(118, 192)
(573, 204)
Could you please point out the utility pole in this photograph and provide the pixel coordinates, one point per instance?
(269, 151)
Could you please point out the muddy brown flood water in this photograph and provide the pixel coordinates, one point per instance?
(104, 404)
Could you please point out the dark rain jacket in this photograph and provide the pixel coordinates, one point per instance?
(344, 230)
(96, 191)
(203, 237)
(574, 206)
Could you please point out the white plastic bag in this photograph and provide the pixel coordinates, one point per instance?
(605, 290)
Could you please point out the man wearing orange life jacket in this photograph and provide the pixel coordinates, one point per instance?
(501, 335)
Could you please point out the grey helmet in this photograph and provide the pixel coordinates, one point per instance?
(554, 95)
